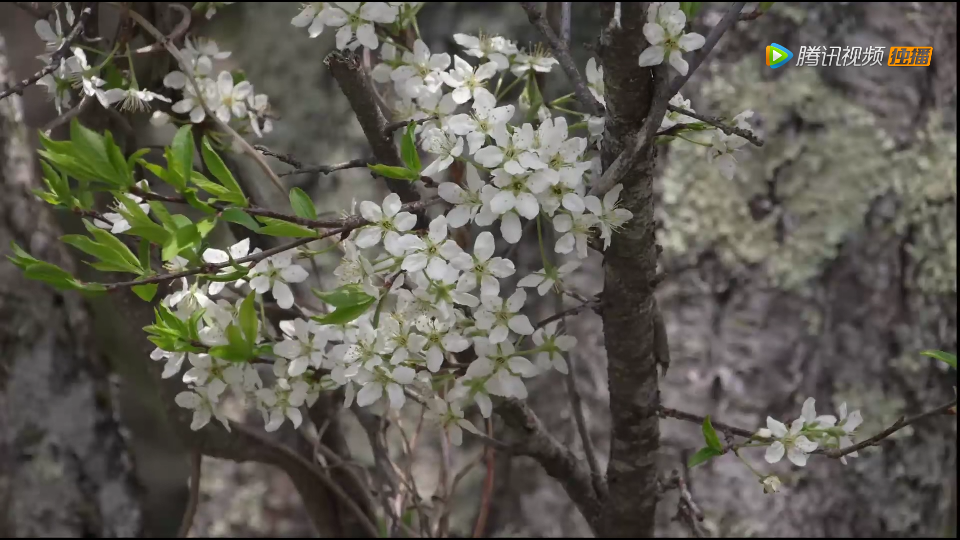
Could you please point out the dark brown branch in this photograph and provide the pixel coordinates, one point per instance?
(731, 18)
(175, 35)
(196, 459)
(286, 158)
(327, 169)
(55, 58)
(667, 412)
(562, 53)
(576, 403)
(897, 426)
(752, 16)
(346, 225)
(718, 123)
(393, 126)
(571, 311)
(555, 458)
(348, 71)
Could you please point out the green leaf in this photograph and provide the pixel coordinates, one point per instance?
(116, 245)
(399, 173)
(161, 213)
(945, 357)
(690, 9)
(143, 254)
(302, 204)
(248, 319)
(765, 6)
(186, 237)
(89, 147)
(702, 455)
(236, 349)
(531, 93)
(110, 260)
(167, 176)
(346, 314)
(235, 215)
(408, 149)
(710, 435)
(135, 157)
(145, 291)
(115, 155)
(204, 226)
(222, 174)
(345, 296)
(191, 196)
(182, 153)
(276, 227)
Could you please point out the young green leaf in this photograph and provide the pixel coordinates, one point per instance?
(302, 204)
(945, 357)
(145, 291)
(143, 254)
(408, 149)
(276, 227)
(710, 435)
(399, 173)
(690, 9)
(222, 174)
(345, 296)
(182, 152)
(346, 314)
(702, 455)
(248, 319)
(235, 215)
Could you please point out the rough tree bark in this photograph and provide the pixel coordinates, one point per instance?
(64, 468)
(627, 298)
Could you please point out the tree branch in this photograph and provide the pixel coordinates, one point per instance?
(718, 123)
(556, 459)
(901, 423)
(731, 18)
(348, 72)
(195, 460)
(55, 58)
(562, 54)
(576, 403)
(667, 412)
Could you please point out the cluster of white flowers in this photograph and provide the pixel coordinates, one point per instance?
(668, 41)
(223, 96)
(808, 433)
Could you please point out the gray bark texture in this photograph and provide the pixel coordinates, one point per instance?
(64, 467)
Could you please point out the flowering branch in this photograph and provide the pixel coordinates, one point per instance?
(562, 52)
(718, 123)
(731, 18)
(901, 423)
(346, 225)
(55, 58)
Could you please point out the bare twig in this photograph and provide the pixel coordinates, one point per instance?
(752, 16)
(55, 58)
(327, 169)
(286, 158)
(175, 35)
(731, 18)
(562, 53)
(667, 412)
(490, 454)
(84, 104)
(571, 311)
(393, 126)
(687, 509)
(576, 403)
(195, 460)
(718, 123)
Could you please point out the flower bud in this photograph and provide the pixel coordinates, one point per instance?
(771, 484)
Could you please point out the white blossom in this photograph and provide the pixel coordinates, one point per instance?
(465, 81)
(203, 408)
(609, 216)
(494, 48)
(576, 229)
(498, 316)
(304, 345)
(486, 118)
(274, 273)
(432, 253)
(420, 72)
(545, 279)
(449, 416)
(553, 347)
(595, 80)
(216, 256)
(796, 446)
(358, 19)
(385, 380)
(447, 146)
(482, 268)
(386, 222)
(439, 338)
(664, 32)
(467, 201)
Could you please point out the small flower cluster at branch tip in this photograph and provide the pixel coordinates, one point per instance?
(664, 31)
(808, 433)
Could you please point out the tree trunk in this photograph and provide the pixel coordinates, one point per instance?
(627, 299)
(64, 470)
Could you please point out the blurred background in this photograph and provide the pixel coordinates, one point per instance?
(820, 270)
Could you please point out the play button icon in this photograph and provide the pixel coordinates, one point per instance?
(777, 55)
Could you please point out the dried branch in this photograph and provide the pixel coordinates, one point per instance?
(562, 53)
(55, 58)
(718, 123)
(688, 510)
(195, 460)
(347, 224)
(555, 458)
(731, 18)
(354, 83)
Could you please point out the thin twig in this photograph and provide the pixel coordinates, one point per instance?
(348, 224)
(196, 459)
(901, 423)
(178, 31)
(752, 16)
(562, 53)
(731, 18)
(67, 116)
(55, 58)
(571, 311)
(393, 126)
(490, 454)
(327, 169)
(718, 123)
(286, 158)
(667, 412)
(576, 403)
